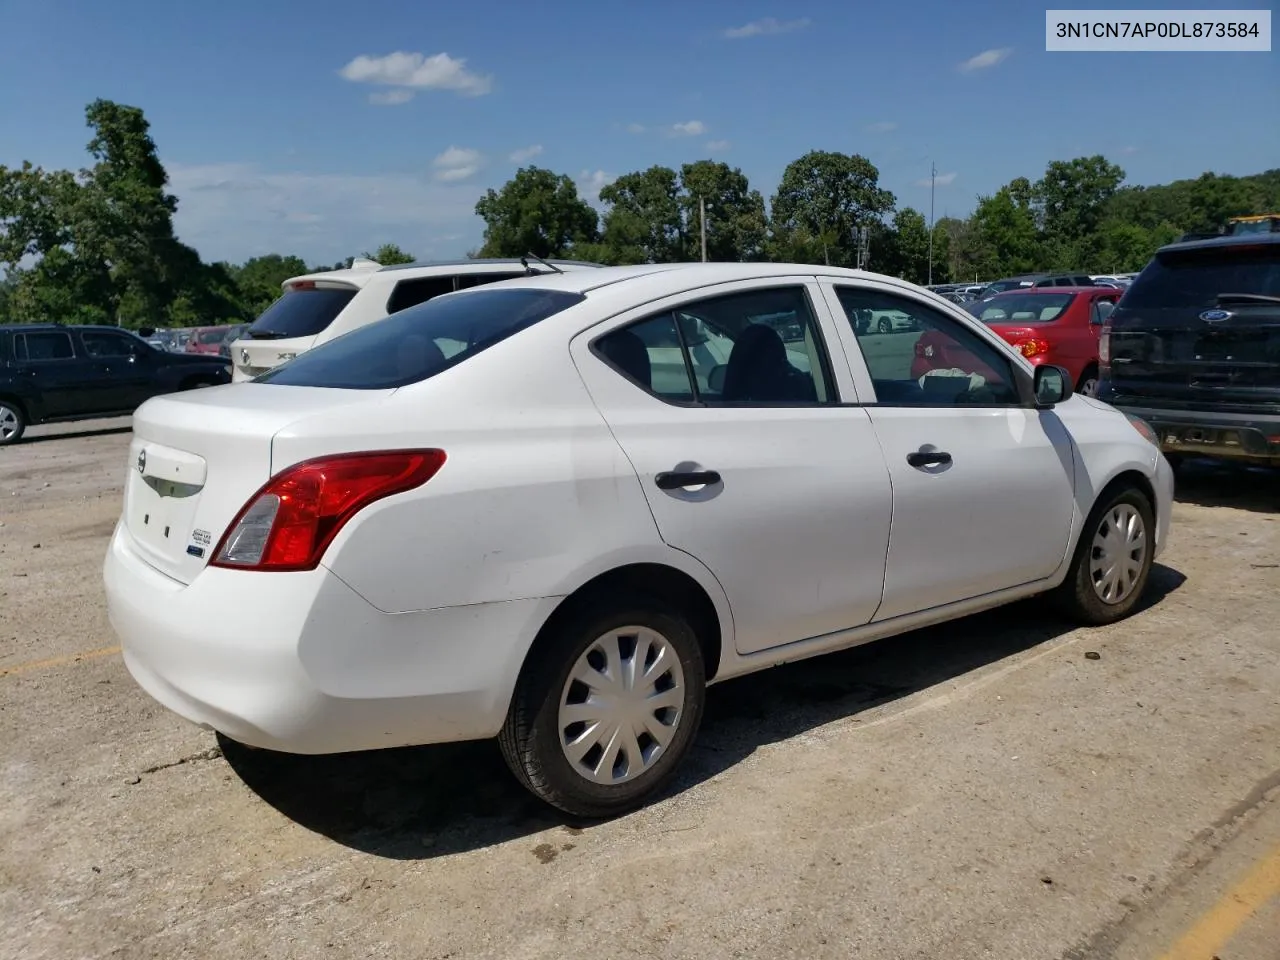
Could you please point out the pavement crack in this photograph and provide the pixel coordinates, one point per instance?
(213, 753)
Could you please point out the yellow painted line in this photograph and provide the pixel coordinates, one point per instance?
(1215, 929)
(58, 661)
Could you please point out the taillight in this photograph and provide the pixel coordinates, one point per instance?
(1104, 344)
(289, 523)
(1031, 348)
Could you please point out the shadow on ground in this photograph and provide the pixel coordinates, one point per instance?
(75, 434)
(421, 802)
(1215, 483)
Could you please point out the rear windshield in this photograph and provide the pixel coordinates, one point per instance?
(1021, 307)
(301, 313)
(421, 341)
(1195, 278)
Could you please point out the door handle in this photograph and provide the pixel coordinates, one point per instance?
(674, 481)
(922, 459)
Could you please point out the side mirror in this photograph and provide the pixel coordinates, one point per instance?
(1052, 385)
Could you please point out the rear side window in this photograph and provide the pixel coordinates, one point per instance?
(43, 346)
(410, 293)
(1195, 278)
(417, 343)
(301, 313)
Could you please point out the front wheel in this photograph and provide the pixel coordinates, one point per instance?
(1088, 385)
(13, 422)
(885, 325)
(607, 708)
(1112, 561)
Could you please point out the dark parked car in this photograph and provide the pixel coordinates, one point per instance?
(1193, 348)
(1036, 280)
(50, 374)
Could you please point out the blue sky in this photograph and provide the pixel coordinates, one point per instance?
(266, 113)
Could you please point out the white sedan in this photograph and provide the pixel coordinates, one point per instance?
(553, 510)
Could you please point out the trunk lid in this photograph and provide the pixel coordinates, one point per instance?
(1178, 336)
(197, 457)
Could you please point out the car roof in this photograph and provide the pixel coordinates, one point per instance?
(1235, 240)
(362, 271)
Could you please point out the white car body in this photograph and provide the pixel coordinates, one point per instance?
(415, 625)
(373, 290)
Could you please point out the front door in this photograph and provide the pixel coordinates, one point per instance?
(983, 483)
(725, 402)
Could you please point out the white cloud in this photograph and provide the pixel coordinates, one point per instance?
(233, 211)
(415, 70)
(635, 128)
(391, 98)
(1128, 150)
(525, 153)
(942, 180)
(691, 128)
(457, 163)
(987, 58)
(718, 146)
(884, 126)
(591, 182)
(765, 27)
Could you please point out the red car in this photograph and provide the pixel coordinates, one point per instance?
(1057, 325)
(207, 339)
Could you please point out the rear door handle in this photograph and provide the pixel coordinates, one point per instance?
(674, 481)
(923, 459)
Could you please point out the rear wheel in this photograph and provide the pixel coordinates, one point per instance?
(1112, 562)
(13, 422)
(1088, 384)
(607, 707)
(885, 325)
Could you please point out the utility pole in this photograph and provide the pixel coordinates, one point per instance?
(933, 176)
(702, 218)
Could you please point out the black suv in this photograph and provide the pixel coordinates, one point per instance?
(1193, 348)
(1036, 280)
(51, 373)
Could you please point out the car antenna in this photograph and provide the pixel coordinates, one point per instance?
(524, 262)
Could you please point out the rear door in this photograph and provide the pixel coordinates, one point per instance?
(728, 406)
(1178, 337)
(67, 382)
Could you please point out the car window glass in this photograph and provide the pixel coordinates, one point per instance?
(757, 347)
(1193, 279)
(468, 280)
(934, 361)
(419, 342)
(1021, 307)
(44, 346)
(410, 293)
(301, 312)
(108, 344)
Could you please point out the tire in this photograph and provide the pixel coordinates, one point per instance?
(13, 422)
(531, 738)
(1077, 597)
(1088, 384)
(885, 325)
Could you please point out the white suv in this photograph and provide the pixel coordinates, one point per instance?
(318, 307)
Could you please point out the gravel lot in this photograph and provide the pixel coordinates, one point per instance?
(982, 789)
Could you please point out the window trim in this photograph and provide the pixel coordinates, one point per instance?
(1023, 379)
(57, 333)
(688, 298)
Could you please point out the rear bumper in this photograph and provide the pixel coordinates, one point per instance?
(1249, 437)
(301, 663)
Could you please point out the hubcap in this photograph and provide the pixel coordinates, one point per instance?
(8, 422)
(1119, 549)
(1090, 387)
(621, 705)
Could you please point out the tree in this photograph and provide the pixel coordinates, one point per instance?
(389, 254)
(644, 223)
(536, 212)
(736, 222)
(1007, 241)
(1071, 199)
(831, 195)
(903, 248)
(259, 280)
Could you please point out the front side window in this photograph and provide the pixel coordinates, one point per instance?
(940, 363)
(43, 346)
(759, 347)
(109, 344)
(417, 343)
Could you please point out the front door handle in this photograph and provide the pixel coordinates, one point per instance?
(674, 481)
(928, 459)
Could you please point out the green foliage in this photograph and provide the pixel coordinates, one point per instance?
(536, 212)
(387, 254)
(823, 199)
